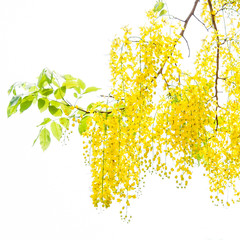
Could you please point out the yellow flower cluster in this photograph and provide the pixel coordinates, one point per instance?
(165, 119)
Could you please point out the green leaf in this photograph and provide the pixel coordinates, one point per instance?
(91, 89)
(55, 83)
(68, 77)
(163, 12)
(44, 77)
(64, 122)
(11, 88)
(89, 107)
(158, 6)
(56, 130)
(75, 95)
(72, 82)
(15, 100)
(82, 127)
(43, 104)
(55, 103)
(60, 92)
(44, 139)
(11, 110)
(45, 121)
(55, 111)
(14, 103)
(81, 84)
(78, 90)
(33, 89)
(26, 103)
(66, 109)
(46, 91)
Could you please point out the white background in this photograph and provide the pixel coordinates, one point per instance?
(47, 195)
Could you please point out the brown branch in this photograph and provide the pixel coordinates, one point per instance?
(189, 16)
(217, 57)
(109, 96)
(181, 34)
(68, 104)
(96, 111)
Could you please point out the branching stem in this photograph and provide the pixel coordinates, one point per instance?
(181, 33)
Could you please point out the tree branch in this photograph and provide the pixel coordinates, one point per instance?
(189, 17)
(217, 57)
(181, 33)
(161, 69)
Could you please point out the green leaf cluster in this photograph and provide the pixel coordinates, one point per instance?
(49, 92)
(159, 8)
(44, 134)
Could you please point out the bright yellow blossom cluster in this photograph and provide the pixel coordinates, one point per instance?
(165, 119)
(159, 117)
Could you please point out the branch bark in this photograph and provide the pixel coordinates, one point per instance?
(217, 57)
(182, 32)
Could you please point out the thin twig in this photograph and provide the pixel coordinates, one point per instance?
(177, 18)
(225, 4)
(200, 22)
(187, 46)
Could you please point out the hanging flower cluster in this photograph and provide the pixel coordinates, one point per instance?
(159, 117)
(164, 119)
